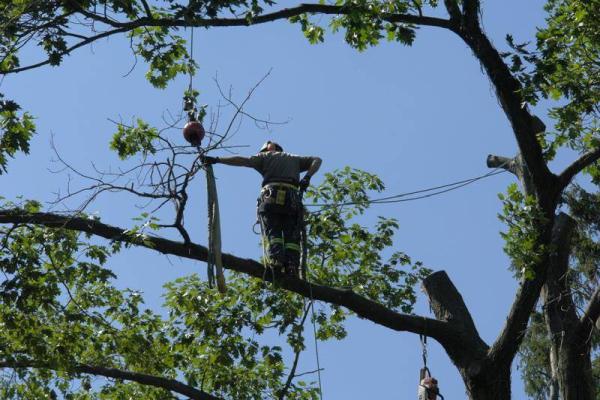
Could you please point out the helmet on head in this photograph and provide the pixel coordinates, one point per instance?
(265, 146)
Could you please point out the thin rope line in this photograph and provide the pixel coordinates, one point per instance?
(191, 58)
(312, 309)
(398, 197)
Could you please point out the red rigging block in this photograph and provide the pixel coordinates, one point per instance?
(193, 132)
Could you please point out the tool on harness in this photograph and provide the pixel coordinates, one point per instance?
(428, 385)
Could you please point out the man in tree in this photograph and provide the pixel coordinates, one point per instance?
(279, 203)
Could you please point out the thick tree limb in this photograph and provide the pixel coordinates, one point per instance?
(517, 167)
(453, 10)
(226, 22)
(471, 11)
(448, 305)
(363, 307)
(509, 340)
(144, 379)
(525, 125)
(584, 161)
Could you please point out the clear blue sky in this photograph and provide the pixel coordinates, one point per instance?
(417, 116)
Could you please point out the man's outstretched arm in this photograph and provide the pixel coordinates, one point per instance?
(236, 161)
(314, 166)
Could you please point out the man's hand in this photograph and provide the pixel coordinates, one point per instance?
(208, 160)
(304, 182)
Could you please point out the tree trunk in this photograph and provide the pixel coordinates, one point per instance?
(491, 384)
(575, 380)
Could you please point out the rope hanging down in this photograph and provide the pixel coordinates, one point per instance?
(215, 261)
(428, 385)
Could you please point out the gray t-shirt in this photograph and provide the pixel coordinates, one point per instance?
(285, 167)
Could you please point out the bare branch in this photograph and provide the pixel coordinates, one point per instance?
(147, 8)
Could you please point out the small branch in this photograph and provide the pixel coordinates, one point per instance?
(584, 161)
(505, 163)
(453, 10)
(516, 166)
(67, 51)
(292, 374)
(147, 8)
(145, 379)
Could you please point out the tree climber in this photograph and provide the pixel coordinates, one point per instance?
(279, 203)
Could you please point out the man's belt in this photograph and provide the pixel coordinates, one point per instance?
(280, 184)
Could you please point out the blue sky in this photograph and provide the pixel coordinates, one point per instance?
(417, 116)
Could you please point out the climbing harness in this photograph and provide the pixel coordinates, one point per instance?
(428, 385)
(277, 205)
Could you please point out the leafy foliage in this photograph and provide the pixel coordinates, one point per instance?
(523, 217)
(60, 309)
(131, 140)
(16, 131)
(344, 253)
(165, 54)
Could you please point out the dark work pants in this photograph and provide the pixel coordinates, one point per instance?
(282, 238)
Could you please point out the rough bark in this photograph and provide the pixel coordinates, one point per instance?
(570, 352)
(484, 379)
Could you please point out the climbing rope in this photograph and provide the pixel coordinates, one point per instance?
(215, 261)
(312, 317)
(398, 198)
(428, 386)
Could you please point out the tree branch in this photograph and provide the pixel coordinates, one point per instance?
(85, 42)
(363, 307)
(525, 125)
(147, 8)
(589, 319)
(509, 340)
(448, 306)
(453, 10)
(144, 379)
(227, 22)
(471, 11)
(576, 167)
